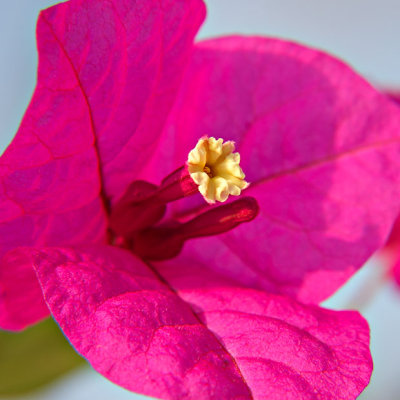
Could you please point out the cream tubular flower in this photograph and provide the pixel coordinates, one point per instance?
(215, 168)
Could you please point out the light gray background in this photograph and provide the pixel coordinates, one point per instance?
(365, 33)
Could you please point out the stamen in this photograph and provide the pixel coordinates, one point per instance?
(215, 169)
(207, 170)
(164, 242)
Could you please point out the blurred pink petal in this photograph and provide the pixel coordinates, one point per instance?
(224, 343)
(320, 147)
(395, 271)
(394, 95)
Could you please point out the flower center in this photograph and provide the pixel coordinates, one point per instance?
(207, 170)
(136, 219)
(215, 168)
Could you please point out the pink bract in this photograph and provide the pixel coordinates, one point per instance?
(123, 94)
(243, 343)
(310, 136)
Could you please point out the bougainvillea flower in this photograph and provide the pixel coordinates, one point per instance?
(97, 227)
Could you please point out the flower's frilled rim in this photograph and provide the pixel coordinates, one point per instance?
(214, 166)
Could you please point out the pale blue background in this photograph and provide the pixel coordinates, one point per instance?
(365, 33)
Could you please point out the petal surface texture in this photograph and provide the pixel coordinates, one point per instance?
(108, 74)
(21, 298)
(320, 148)
(199, 343)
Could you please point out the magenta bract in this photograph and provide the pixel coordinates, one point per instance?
(312, 143)
(199, 343)
(122, 96)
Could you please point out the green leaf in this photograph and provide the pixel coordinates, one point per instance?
(34, 357)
